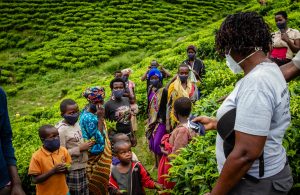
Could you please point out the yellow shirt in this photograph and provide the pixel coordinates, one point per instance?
(293, 35)
(42, 161)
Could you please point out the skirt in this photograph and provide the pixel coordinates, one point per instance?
(154, 142)
(98, 170)
(77, 182)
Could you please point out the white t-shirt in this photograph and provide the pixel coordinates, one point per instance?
(262, 103)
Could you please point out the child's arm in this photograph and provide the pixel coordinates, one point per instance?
(147, 181)
(60, 168)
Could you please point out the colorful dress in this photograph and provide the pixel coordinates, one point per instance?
(156, 127)
(176, 91)
(100, 157)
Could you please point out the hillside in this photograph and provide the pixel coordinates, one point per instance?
(50, 50)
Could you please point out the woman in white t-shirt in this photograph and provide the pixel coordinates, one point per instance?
(252, 120)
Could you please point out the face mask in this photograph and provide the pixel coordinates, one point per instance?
(191, 56)
(118, 93)
(71, 119)
(281, 26)
(52, 145)
(125, 79)
(233, 65)
(154, 82)
(183, 78)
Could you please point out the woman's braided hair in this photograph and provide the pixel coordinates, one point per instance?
(242, 32)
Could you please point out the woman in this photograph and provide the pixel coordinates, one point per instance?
(286, 41)
(257, 111)
(156, 125)
(181, 87)
(130, 87)
(93, 128)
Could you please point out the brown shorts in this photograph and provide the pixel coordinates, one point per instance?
(279, 184)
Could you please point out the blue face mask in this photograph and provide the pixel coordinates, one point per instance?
(52, 145)
(154, 82)
(191, 56)
(118, 94)
(71, 119)
(281, 25)
(125, 78)
(183, 78)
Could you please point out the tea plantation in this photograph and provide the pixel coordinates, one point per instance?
(54, 49)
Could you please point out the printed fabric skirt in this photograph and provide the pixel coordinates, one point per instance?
(98, 170)
(154, 142)
(77, 182)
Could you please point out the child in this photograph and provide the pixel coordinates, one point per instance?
(117, 138)
(71, 137)
(179, 138)
(48, 164)
(129, 177)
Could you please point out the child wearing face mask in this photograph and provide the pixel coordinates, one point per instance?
(71, 137)
(48, 165)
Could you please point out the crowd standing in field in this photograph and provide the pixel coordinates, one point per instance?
(77, 156)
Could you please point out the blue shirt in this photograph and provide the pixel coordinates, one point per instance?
(7, 154)
(89, 127)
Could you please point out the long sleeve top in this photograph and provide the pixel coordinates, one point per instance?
(89, 127)
(7, 155)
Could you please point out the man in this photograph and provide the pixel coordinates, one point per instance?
(118, 107)
(10, 182)
(196, 65)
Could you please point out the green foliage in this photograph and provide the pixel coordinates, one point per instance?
(77, 34)
(195, 169)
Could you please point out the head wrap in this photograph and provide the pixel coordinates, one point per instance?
(192, 47)
(94, 94)
(127, 71)
(156, 72)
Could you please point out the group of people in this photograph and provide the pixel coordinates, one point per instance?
(80, 156)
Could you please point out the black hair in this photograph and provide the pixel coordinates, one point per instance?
(65, 103)
(183, 106)
(115, 80)
(183, 65)
(242, 32)
(118, 71)
(42, 130)
(118, 144)
(283, 13)
(115, 138)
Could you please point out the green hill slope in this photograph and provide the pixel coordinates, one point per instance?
(77, 34)
(60, 59)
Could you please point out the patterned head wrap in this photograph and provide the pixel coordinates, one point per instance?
(156, 72)
(94, 94)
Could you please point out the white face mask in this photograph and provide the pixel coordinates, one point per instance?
(233, 65)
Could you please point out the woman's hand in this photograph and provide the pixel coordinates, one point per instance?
(208, 122)
(86, 145)
(285, 37)
(100, 111)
